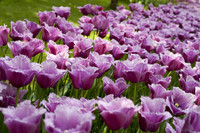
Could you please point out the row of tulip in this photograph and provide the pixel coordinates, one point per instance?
(137, 70)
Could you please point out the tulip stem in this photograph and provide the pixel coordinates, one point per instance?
(134, 96)
(17, 97)
(40, 99)
(2, 52)
(169, 73)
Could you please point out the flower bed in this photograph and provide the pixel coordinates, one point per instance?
(131, 70)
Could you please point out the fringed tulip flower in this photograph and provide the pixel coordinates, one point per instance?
(90, 9)
(82, 48)
(8, 94)
(152, 113)
(47, 17)
(100, 22)
(102, 46)
(179, 103)
(62, 11)
(4, 35)
(103, 62)
(25, 118)
(69, 119)
(158, 91)
(19, 30)
(2, 70)
(87, 28)
(173, 61)
(117, 113)
(33, 27)
(28, 48)
(116, 88)
(51, 33)
(20, 71)
(54, 101)
(49, 75)
(82, 76)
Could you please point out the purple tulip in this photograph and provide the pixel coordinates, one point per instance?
(46, 17)
(2, 70)
(136, 7)
(117, 113)
(28, 48)
(82, 76)
(19, 30)
(33, 27)
(20, 71)
(158, 79)
(116, 88)
(85, 19)
(70, 37)
(179, 103)
(197, 94)
(158, 91)
(66, 26)
(90, 9)
(82, 48)
(102, 46)
(54, 101)
(188, 84)
(49, 75)
(100, 22)
(51, 33)
(190, 124)
(173, 61)
(58, 54)
(87, 28)
(62, 11)
(103, 62)
(118, 50)
(68, 119)
(23, 119)
(152, 113)
(8, 94)
(3, 35)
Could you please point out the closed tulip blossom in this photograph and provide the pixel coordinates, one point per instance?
(152, 113)
(28, 48)
(116, 88)
(69, 119)
(103, 62)
(25, 118)
(47, 17)
(62, 11)
(4, 35)
(19, 30)
(82, 48)
(49, 74)
(20, 71)
(117, 113)
(102, 46)
(180, 102)
(51, 33)
(83, 76)
(8, 94)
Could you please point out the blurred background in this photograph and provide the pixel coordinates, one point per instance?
(13, 10)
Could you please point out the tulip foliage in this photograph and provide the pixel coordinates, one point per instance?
(134, 70)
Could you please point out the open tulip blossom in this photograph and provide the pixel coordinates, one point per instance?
(127, 70)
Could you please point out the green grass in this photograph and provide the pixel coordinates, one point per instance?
(13, 10)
